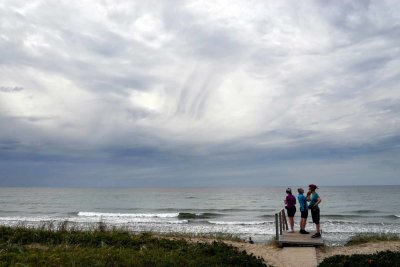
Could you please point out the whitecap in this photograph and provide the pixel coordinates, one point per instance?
(132, 215)
(236, 223)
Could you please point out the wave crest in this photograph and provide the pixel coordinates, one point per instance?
(131, 215)
(237, 223)
(206, 215)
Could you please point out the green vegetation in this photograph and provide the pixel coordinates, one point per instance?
(274, 242)
(371, 237)
(21, 246)
(381, 259)
(218, 236)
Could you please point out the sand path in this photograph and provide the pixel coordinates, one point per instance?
(275, 256)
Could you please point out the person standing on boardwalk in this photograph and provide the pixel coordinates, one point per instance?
(314, 200)
(290, 202)
(303, 209)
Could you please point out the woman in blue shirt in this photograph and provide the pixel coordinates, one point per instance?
(314, 200)
(303, 209)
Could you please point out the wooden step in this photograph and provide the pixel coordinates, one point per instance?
(297, 239)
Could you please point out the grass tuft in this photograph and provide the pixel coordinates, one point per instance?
(381, 259)
(218, 236)
(274, 242)
(371, 237)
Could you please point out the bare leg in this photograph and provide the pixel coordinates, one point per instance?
(291, 222)
(303, 224)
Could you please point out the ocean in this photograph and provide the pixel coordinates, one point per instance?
(243, 212)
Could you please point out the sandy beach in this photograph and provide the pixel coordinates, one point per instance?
(367, 248)
(272, 254)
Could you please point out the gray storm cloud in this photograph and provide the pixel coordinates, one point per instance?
(194, 89)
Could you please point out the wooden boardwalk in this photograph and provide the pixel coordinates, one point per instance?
(284, 238)
(297, 239)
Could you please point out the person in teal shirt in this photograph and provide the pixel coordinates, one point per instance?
(303, 210)
(314, 200)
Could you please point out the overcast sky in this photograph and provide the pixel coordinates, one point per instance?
(182, 93)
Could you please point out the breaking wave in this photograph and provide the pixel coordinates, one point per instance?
(206, 215)
(237, 223)
(131, 215)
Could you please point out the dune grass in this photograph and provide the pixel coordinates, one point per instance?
(62, 246)
(371, 237)
(380, 259)
(216, 236)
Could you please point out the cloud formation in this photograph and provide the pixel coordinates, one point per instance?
(197, 92)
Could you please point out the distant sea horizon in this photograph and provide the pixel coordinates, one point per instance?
(185, 186)
(245, 211)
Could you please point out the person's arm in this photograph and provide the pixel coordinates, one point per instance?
(313, 203)
(318, 201)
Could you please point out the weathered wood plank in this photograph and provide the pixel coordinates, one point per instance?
(299, 239)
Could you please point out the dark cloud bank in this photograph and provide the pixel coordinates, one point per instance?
(241, 93)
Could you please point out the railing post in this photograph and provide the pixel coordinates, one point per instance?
(284, 220)
(280, 222)
(276, 226)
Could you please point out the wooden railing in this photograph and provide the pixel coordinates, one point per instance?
(280, 223)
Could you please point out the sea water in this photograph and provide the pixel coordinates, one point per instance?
(242, 212)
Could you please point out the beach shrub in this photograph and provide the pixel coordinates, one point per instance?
(43, 247)
(381, 259)
(371, 237)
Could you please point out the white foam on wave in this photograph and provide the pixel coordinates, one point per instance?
(87, 219)
(236, 223)
(360, 227)
(178, 222)
(31, 219)
(131, 215)
(398, 216)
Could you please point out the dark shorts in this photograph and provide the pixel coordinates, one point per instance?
(304, 214)
(315, 215)
(291, 211)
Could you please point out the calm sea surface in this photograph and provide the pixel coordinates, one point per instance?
(247, 212)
